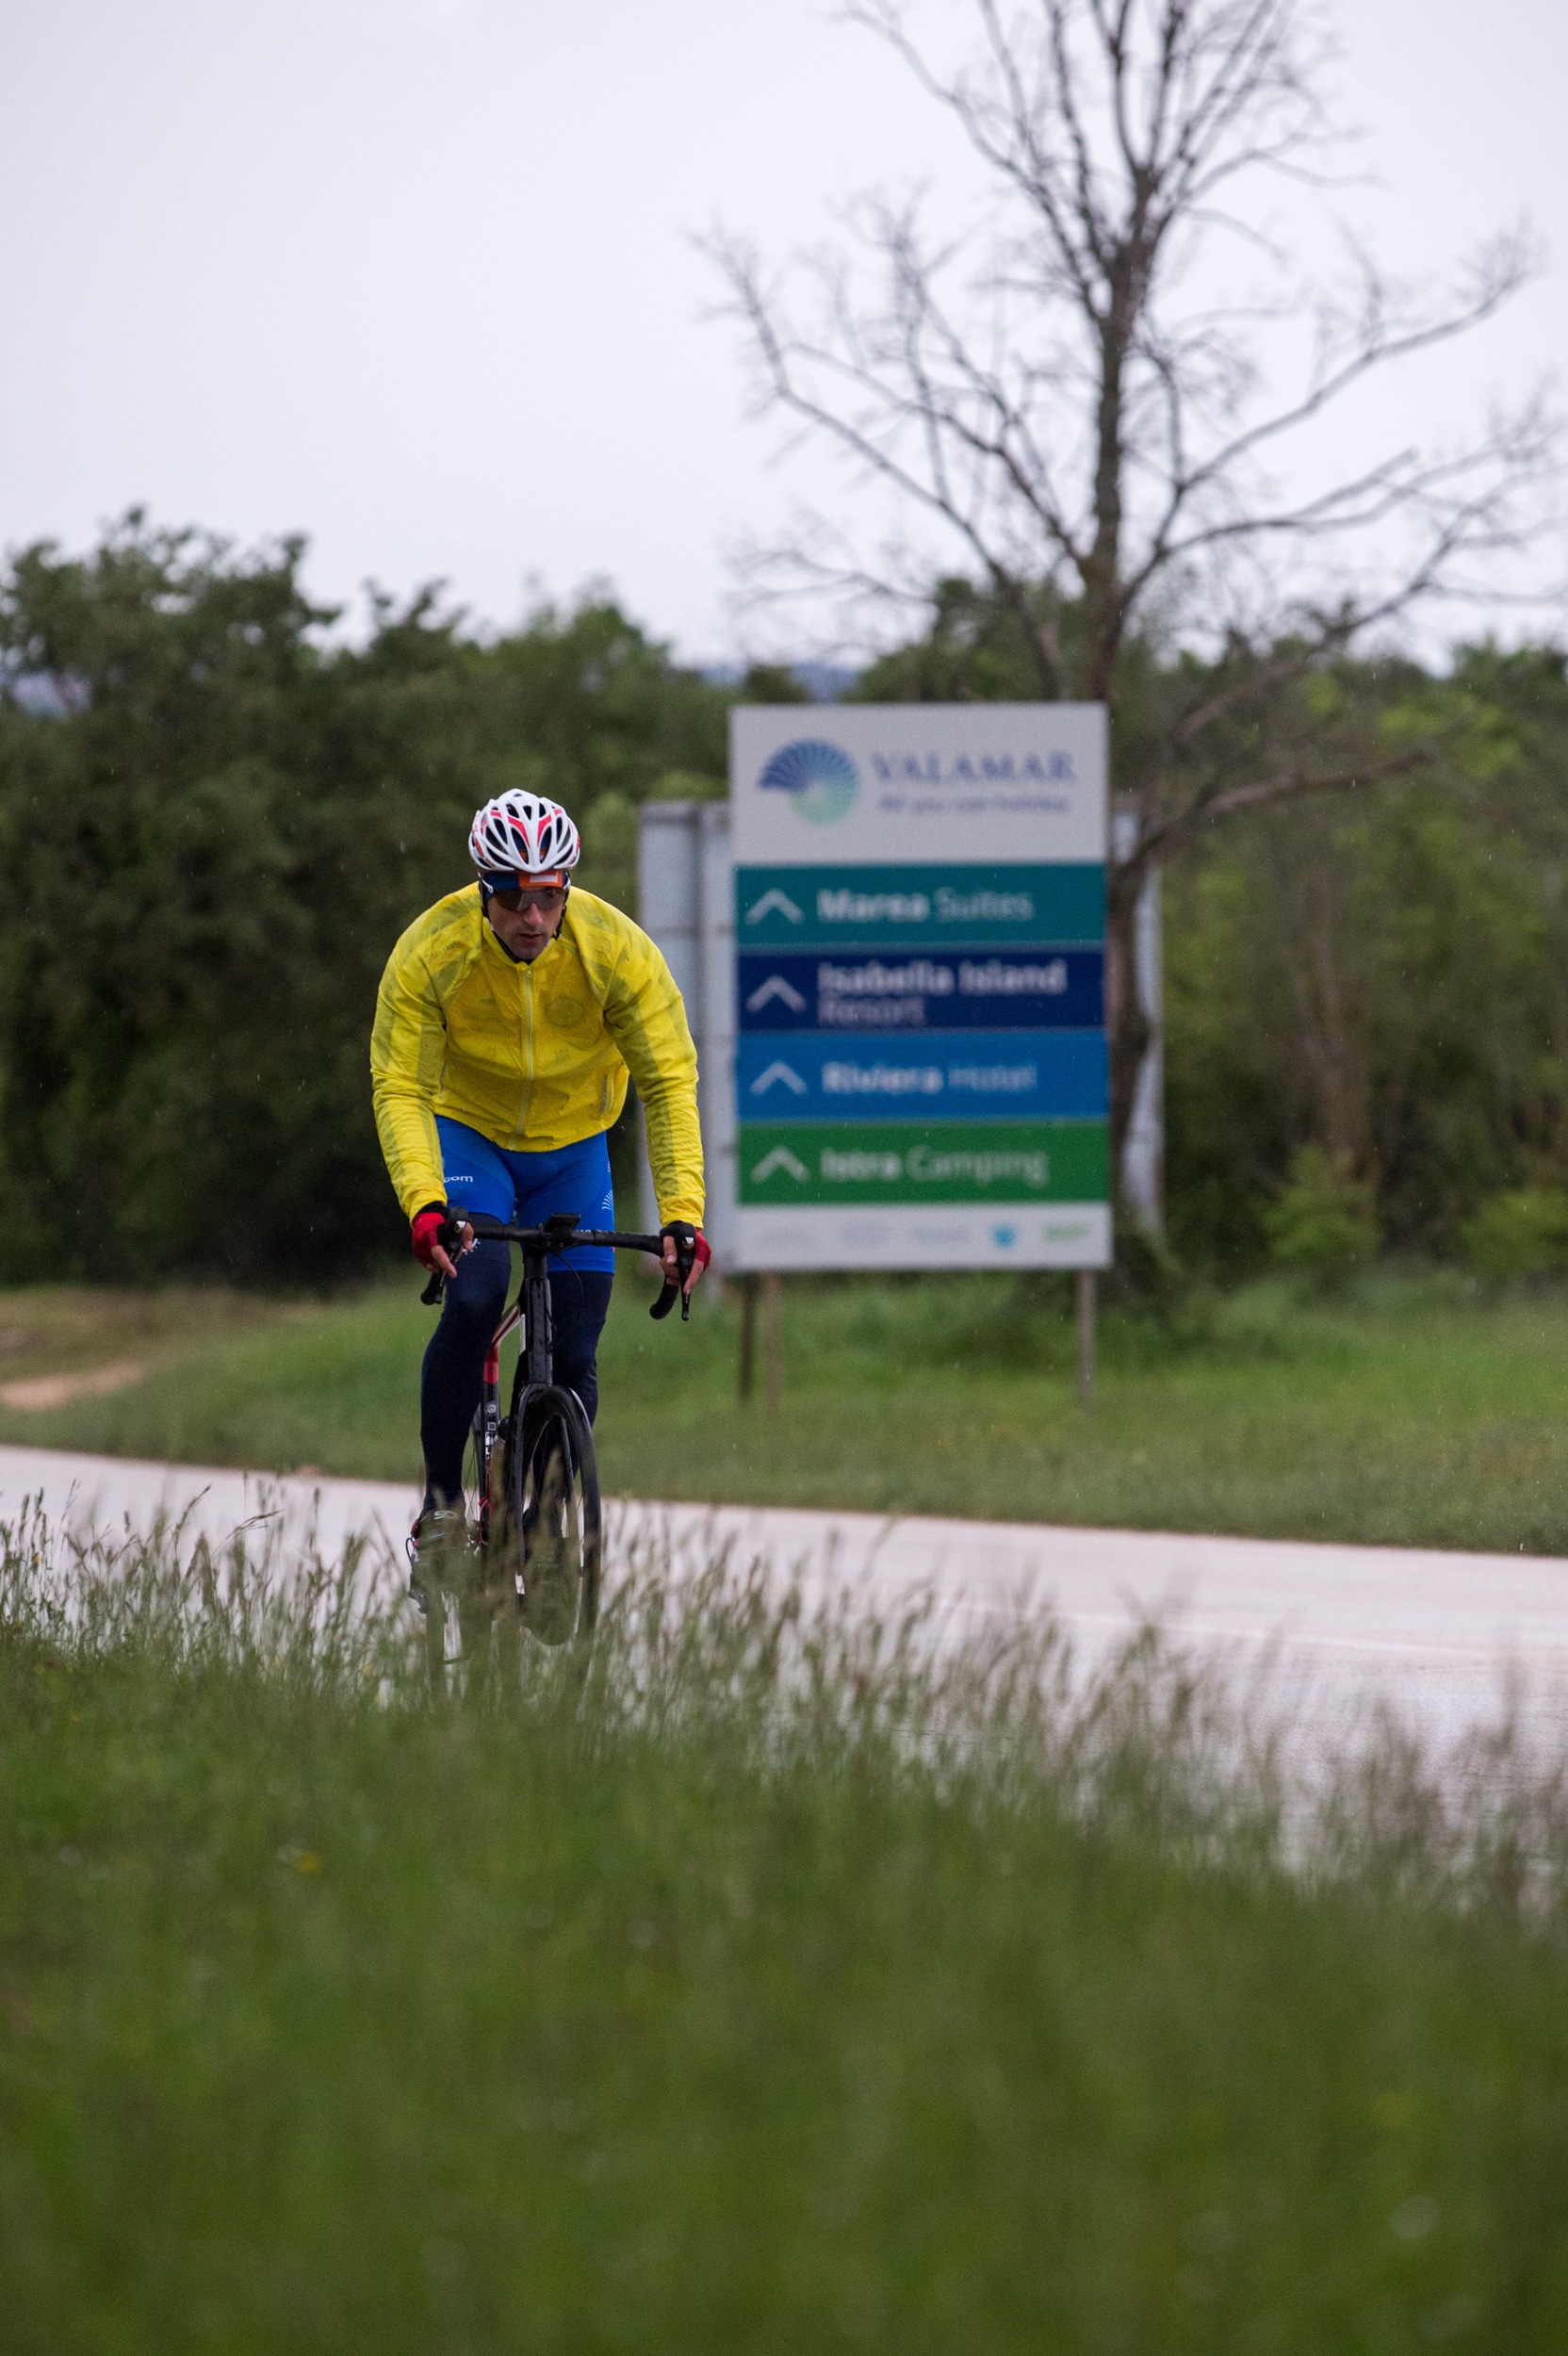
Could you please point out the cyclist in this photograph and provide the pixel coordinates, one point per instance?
(508, 1019)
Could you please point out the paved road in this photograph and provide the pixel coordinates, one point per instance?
(1438, 1634)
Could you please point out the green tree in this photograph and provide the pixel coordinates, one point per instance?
(207, 855)
(1069, 403)
(1386, 977)
(583, 702)
(1324, 1226)
(772, 684)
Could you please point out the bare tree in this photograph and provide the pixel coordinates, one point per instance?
(1072, 414)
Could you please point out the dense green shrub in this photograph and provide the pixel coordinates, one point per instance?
(211, 836)
(1521, 1233)
(1324, 1226)
(207, 850)
(1382, 972)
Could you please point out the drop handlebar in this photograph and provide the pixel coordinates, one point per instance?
(558, 1235)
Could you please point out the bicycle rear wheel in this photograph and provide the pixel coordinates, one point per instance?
(553, 1515)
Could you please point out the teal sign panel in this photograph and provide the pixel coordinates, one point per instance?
(989, 907)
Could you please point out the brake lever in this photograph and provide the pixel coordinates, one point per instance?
(684, 1263)
(451, 1244)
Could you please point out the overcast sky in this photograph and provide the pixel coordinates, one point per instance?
(414, 276)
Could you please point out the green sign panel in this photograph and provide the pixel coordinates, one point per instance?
(785, 1163)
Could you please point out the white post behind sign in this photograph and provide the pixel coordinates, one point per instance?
(685, 901)
(1143, 1155)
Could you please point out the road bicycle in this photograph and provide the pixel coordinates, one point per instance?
(532, 1557)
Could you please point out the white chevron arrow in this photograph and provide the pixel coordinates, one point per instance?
(775, 987)
(765, 1080)
(780, 1158)
(771, 900)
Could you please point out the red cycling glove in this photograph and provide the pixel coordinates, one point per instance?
(428, 1224)
(692, 1237)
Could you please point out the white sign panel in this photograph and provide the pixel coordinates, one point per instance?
(956, 783)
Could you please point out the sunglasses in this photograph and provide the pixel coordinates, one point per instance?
(549, 899)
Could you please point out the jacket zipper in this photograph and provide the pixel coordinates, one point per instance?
(527, 978)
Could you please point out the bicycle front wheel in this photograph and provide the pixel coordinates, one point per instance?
(553, 1511)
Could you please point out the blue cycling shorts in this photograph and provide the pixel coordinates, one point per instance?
(524, 1188)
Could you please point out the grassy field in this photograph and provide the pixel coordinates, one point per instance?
(1417, 1411)
(779, 1993)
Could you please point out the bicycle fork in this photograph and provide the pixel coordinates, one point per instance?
(531, 1311)
(487, 1421)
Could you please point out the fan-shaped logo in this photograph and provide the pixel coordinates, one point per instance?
(820, 779)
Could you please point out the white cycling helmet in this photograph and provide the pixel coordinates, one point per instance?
(523, 835)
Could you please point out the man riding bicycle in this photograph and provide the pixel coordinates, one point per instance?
(510, 1017)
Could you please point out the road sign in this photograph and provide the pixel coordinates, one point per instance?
(822, 908)
(1033, 1075)
(920, 1070)
(785, 1163)
(882, 989)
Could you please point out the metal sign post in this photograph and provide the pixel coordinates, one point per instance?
(920, 1061)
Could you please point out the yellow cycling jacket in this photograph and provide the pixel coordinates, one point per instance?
(533, 1057)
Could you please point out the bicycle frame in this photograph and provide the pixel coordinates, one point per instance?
(535, 1368)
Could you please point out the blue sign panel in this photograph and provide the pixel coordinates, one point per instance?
(1023, 1075)
(973, 990)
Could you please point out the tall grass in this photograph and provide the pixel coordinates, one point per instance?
(790, 1980)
